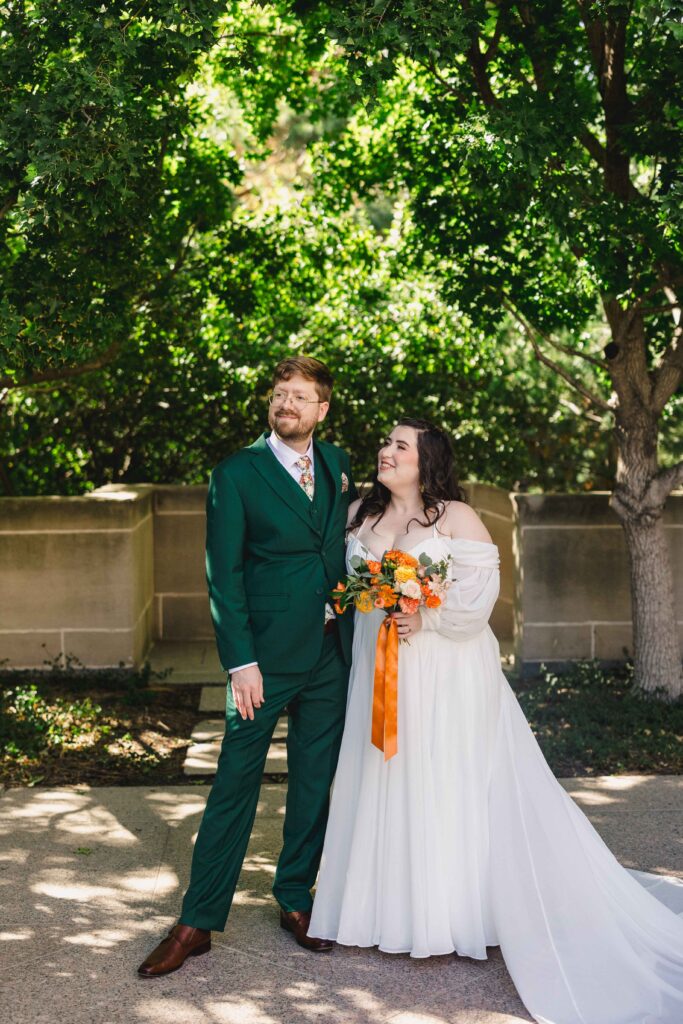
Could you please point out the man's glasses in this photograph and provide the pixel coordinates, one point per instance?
(298, 401)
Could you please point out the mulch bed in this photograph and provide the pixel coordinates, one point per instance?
(592, 722)
(139, 737)
(126, 730)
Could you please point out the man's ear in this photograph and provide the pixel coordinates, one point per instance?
(323, 410)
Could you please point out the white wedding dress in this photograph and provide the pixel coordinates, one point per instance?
(465, 839)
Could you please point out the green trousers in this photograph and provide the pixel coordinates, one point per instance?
(317, 703)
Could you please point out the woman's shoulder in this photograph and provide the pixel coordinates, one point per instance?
(459, 521)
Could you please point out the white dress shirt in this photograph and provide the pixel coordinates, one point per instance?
(287, 457)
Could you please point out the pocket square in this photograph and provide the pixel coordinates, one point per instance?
(345, 482)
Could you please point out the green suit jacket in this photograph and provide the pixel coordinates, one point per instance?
(270, 562)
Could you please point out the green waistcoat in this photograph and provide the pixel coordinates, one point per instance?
(273, 555)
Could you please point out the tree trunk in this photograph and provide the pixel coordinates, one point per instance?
(657, 657)
(639, 504)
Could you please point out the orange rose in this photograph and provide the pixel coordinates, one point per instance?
(386, 596)
(401, 558)
(433, 601)
(374, 567)
(408, 605)
(340, 586)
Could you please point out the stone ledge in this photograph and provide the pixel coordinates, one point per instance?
(110, 510)
(581, 510)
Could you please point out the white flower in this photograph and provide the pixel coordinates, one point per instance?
(411, 588)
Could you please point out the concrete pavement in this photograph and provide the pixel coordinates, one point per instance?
(90, 879)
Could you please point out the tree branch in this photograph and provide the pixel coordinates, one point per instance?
(568, 350)
(539, 62)
(598, 152)
(11, 201)
(668, 375)
(607, 46)
(65, 372)
(532, 333)
(432, 69)
(666, 481)
(665, 307)
(478, 62)
(492, 48)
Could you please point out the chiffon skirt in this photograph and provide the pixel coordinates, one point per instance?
(465, 840)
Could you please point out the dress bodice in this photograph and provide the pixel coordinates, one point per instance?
(464, 553)
(474, 586)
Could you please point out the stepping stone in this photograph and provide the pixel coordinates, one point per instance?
(209, 731)
(202, 757)
(276, 762)
(212, 698)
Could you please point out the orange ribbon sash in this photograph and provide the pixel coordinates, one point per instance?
(385, 694)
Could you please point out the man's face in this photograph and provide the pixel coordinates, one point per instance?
(296, 409)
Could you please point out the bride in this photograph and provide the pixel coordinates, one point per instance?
(464, 839)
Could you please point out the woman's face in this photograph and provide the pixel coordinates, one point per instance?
(397, 461)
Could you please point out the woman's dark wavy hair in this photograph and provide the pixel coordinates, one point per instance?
(438, 476)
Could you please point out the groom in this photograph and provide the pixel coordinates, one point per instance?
(276, 515)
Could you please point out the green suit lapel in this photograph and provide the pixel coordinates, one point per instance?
(277, 477)
(323, 455)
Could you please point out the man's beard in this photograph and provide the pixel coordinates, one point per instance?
(291, 429)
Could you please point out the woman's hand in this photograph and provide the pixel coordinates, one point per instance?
(408, 625)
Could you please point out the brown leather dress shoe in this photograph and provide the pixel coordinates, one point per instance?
(182, 941)
(297, 922)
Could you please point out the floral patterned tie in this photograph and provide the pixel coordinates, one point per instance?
(306, 478)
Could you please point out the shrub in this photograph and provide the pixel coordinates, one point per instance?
(31, 723)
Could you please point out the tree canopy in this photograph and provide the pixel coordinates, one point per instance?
(190, 190)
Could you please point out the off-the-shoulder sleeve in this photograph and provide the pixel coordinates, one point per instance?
(469, 601)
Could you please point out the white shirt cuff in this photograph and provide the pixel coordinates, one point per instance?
(240, 667)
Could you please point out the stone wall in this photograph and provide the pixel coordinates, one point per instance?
(497, 513)
(102, 576)
(181, 608)
(76, 578)
(181, 605)
(572, 596)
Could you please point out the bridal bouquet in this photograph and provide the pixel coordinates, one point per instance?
(398, 583)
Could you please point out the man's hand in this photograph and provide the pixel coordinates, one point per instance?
(247, 690)
(408, 625)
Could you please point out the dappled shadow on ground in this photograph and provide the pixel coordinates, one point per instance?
(638, 816)
(91, 879)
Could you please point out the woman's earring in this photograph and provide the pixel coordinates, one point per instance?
(422, 488)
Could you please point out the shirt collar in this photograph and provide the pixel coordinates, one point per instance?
(286, 454)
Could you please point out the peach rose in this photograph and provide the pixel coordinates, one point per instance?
(411, 589)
